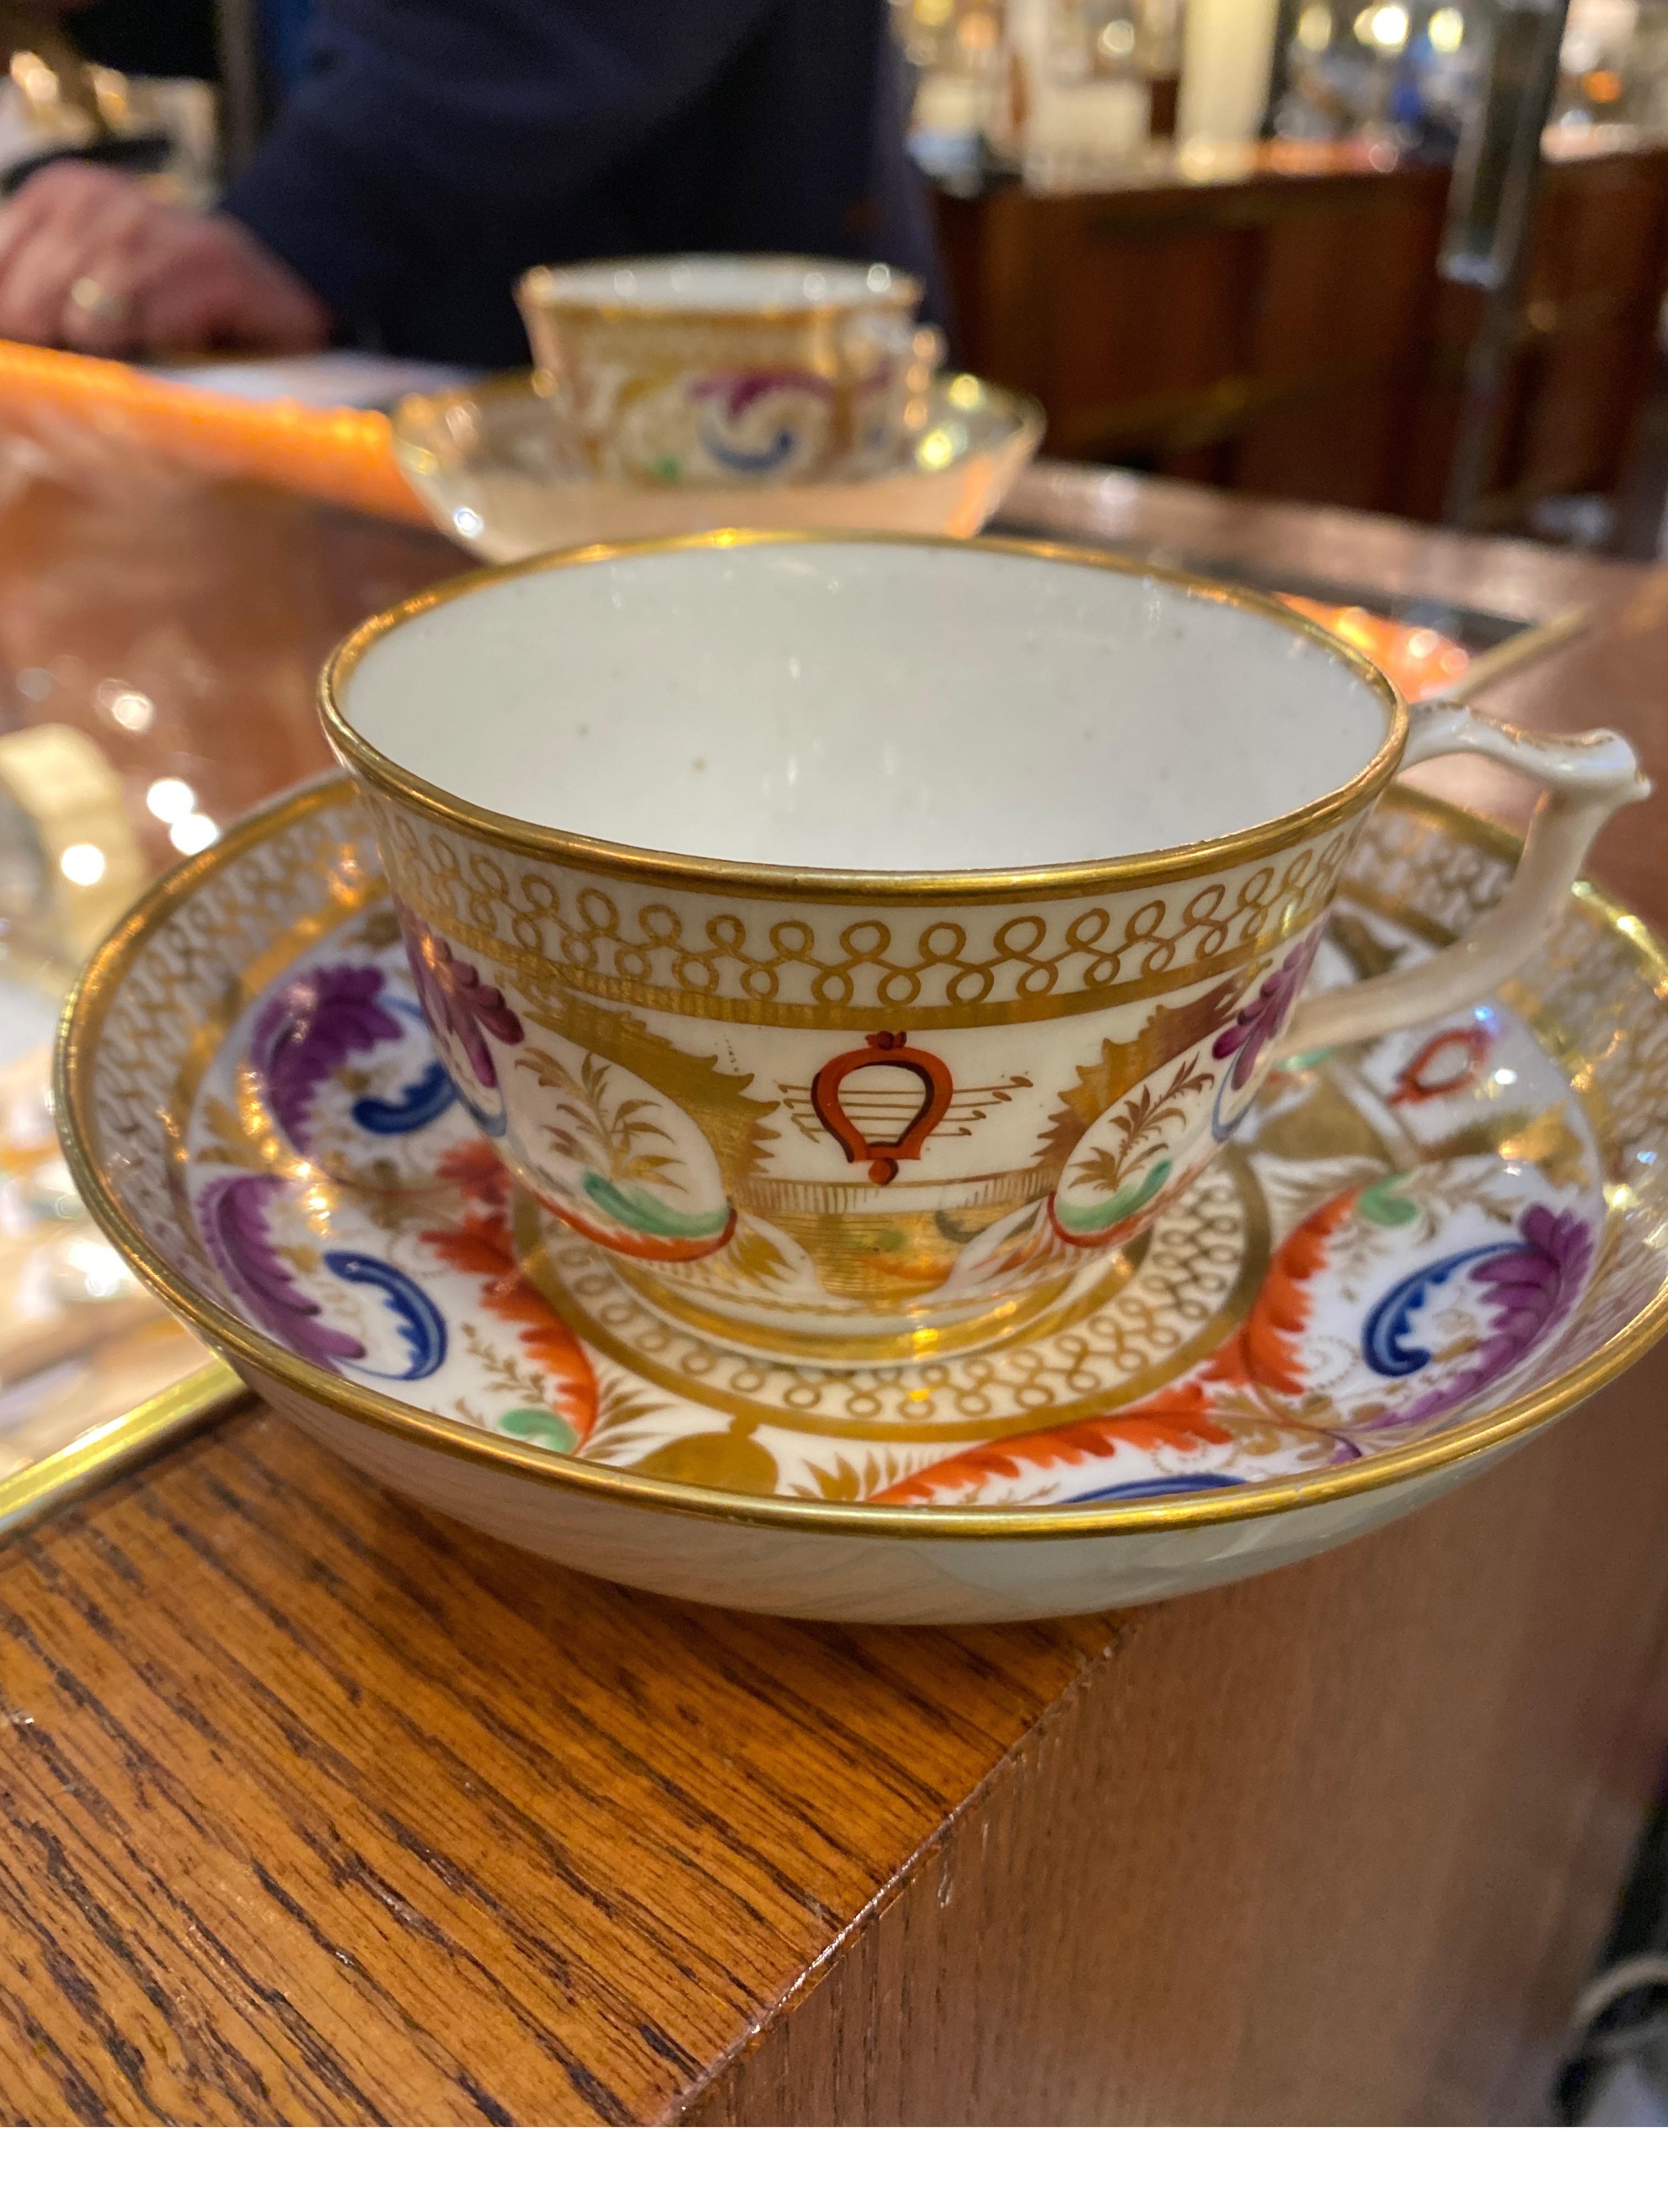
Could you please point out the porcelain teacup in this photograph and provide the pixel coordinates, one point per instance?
(861, 941)
(731, 368)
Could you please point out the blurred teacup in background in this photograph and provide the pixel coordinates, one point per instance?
(732, 369)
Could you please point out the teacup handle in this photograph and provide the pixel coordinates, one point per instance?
(1583, 779)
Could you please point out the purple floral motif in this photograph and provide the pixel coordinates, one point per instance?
(306, 1032)
(1528, 1287)
(1256, 1025)
(739, 390)
(233, 1214)
(455, 1001)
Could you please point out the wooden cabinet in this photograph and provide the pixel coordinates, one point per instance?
(1290, 334)
(1583, 347)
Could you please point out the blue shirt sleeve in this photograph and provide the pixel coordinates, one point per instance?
(286, 28)
(424, 124)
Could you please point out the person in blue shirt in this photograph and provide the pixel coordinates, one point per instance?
(425, 152)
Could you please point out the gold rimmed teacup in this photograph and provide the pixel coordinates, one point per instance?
(861, 939)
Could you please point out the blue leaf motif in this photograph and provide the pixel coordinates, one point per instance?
(490, 1124)
(1384, 1334)
(1523, 1290)
(419, 1319)
(1158, 1486)
(422, 1101)
(756, 464)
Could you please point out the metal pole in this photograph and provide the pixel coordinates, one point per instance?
(1490, 209)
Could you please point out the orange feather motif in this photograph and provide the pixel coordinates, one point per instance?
(480, 1245)
(1178, 1416)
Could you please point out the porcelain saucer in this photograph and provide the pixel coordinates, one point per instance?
(491, 463)
(1417, 1252)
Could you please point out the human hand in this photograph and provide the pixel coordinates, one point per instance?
(89, 258)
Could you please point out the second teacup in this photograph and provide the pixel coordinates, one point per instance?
(860, 940)
(737, 369)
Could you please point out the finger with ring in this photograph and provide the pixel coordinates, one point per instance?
(97, 300)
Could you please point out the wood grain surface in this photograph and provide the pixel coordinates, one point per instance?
(315, 1809)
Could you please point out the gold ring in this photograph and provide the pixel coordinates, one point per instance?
(92, 299)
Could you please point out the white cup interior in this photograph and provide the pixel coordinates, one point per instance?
(866, 705)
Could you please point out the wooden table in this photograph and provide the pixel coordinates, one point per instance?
(314, 1808)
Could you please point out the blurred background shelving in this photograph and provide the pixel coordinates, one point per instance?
(1215, 241)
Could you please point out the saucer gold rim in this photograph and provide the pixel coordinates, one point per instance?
(980, 886)
(78, 1037)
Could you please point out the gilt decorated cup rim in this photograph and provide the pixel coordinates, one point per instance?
(560, 286)
(648, 864)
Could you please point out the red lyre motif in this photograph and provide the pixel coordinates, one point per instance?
(885, 1048)
(1445, 1063)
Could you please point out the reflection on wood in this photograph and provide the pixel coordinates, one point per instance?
(178, 623)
